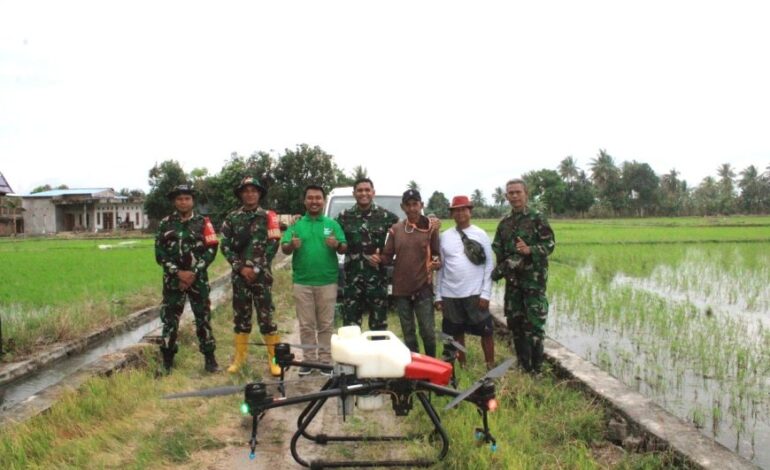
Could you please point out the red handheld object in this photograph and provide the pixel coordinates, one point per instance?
(273, 228)
(209, 235)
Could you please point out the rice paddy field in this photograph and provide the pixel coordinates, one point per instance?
(678, 309)
(58, 289)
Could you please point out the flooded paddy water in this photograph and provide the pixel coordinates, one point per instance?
(685, 324)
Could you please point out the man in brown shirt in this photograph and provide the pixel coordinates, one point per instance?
(415, 245)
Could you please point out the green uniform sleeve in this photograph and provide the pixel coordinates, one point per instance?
(162, 256)
(227, 247)
(497, 244)
(546, 242)
(270, 250)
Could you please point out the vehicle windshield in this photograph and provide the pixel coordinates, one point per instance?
(338, 203)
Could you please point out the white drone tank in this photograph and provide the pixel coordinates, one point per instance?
(376, 354)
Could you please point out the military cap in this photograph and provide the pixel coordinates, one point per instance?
(181, 189)
(250, 181)
(411, 194)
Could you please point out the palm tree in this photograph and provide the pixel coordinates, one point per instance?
(568, 169)
(477, 198)
(413, 185)
(498, 195)
(751, 188)
(670, 181)
(603, 169)
(726, 175)
(359, 172)
(726, 187)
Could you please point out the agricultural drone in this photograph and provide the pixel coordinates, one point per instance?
(367, 367)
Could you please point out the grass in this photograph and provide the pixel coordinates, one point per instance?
(120, 421)
(56, 290)
(541, 422)
(650, 231)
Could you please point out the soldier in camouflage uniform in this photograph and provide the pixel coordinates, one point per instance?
(366, 285)
(247, 248)
(181, 250)
(522, 244)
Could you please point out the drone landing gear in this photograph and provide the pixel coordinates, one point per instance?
(484, 434)
(311, 411)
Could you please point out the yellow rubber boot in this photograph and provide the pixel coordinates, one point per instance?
(271, 341)
(241, 351)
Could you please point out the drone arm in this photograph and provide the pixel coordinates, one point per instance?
(355, 389)
(313, 365)
(437, 389)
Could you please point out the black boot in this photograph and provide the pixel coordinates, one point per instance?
(168, 359)
(537, 356)
(523, 353)
(211, 363)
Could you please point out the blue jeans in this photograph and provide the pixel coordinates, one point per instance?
(419, 305)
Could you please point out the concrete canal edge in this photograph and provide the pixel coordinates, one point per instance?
(104, 366)
(42, 401)
(637, 415)
(17, 370)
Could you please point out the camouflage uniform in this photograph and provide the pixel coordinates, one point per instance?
(526, 305)
(179, 246)
(245, 244)
(366, 286)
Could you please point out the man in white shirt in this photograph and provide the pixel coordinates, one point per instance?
(465, 282)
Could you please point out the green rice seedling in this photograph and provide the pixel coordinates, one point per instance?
(57, 290)
(680, 310)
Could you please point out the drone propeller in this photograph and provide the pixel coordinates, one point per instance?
(449, 339)
(298, 346)
(209, 392)
(231, 390)
(495, 373)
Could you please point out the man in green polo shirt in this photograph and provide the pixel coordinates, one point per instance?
(314, 241)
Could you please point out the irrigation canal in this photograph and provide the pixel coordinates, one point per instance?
(21, 389)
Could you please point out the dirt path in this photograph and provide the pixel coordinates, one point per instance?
(278, 426)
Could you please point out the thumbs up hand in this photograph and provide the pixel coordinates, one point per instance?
(522, 247)
(332, 242)
(296, 243)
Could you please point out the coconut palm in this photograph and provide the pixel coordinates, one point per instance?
(603, 170)
(568, 169)
(670, 181)
(477, 198)
(498, 195)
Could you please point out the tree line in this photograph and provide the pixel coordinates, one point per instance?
(285, 176)
(604, 189)
(631, 189)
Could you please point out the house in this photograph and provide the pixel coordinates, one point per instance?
(87, 209)
(11, 221)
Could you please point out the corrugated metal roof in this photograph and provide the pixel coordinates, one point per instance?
(5, 188)
(74, 192)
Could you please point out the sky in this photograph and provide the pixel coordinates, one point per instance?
(453, 95)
